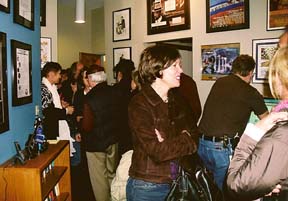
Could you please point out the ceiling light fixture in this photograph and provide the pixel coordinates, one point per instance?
(80, 11)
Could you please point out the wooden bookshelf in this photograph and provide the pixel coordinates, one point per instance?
(28, 183)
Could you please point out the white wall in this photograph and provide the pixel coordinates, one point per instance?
(50, 30)
(198, 32)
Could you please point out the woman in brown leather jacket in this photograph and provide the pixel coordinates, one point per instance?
(260, 161)
(161, 131)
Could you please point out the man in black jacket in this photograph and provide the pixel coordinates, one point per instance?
(100, 126)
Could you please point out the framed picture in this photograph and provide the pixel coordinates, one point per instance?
(277, 14)
(21, 73)
(121, 53)
(87, 59)
(167, 15)
(24, 13)
(46, 50)
(43, 13)
(217, 59)
(226, 15)
(4, 118)
(5, 6)
(122, 25)
(263, 50)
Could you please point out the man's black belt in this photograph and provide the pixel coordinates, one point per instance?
(212, 138)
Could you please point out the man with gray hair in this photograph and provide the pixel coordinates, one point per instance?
(100, 126)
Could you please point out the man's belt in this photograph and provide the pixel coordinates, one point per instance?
(212, 138)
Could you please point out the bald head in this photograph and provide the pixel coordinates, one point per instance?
(283, 40)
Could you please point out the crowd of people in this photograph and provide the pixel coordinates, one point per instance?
(127, 141)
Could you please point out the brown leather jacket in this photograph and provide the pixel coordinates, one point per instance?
(151, 159)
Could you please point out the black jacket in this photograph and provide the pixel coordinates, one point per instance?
(101, 118)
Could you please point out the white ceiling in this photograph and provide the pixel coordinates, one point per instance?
(89, 4)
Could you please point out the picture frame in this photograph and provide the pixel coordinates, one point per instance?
(217, 60)
(24, 13)
(227, 15)
(5, 6)
(87, 59)
(167, 16)
(21, 73)
(262, 51)
(46, 50)
(4, 116)
(277, 15)
(122, 25)
(119, 53)
(43, 13)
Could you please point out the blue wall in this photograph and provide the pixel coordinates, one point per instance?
(21, 118)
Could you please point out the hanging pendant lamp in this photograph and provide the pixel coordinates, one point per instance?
(80, 11)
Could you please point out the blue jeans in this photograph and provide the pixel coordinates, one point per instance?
(139, 190)
(215, 158)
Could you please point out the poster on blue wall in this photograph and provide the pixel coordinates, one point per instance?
(4, 119)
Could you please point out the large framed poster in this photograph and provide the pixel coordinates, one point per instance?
(226, 15)
(263, 50)
(24, 13)
(46, 50)
(277, 14)
(217, 59)
(121, 53)
(21, 73)
(122, 24)
(4, 117)
(167, 15)
(5, 6)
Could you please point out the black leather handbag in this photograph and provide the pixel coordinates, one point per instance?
(198, 187)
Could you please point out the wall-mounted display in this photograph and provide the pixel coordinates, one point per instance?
(121, 53)
(24, 13)
(43, 13)
(226, 15)
(4, 118)
(5, 6)
(122, 25)
(167, 15)
(277, 14)
(46, 50)
(21, 73)
(263, 50)
(217, 59)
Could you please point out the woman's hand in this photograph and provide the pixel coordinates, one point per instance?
(269, 121)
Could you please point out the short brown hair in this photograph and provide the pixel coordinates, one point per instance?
(243, 65)
(155, 59)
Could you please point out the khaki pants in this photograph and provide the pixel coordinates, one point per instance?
(102, 167)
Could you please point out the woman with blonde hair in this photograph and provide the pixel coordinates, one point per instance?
(260, 162)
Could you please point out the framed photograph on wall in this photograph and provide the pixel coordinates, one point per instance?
(217, 59)
(5, 6)
(263, 50)
(21, 73)
(122, 25)
(277, 14)
(226, 15)
(4, 115)
(46, 50)
(43, 13)
(167, 15)
(24, 13)
(121, 53)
